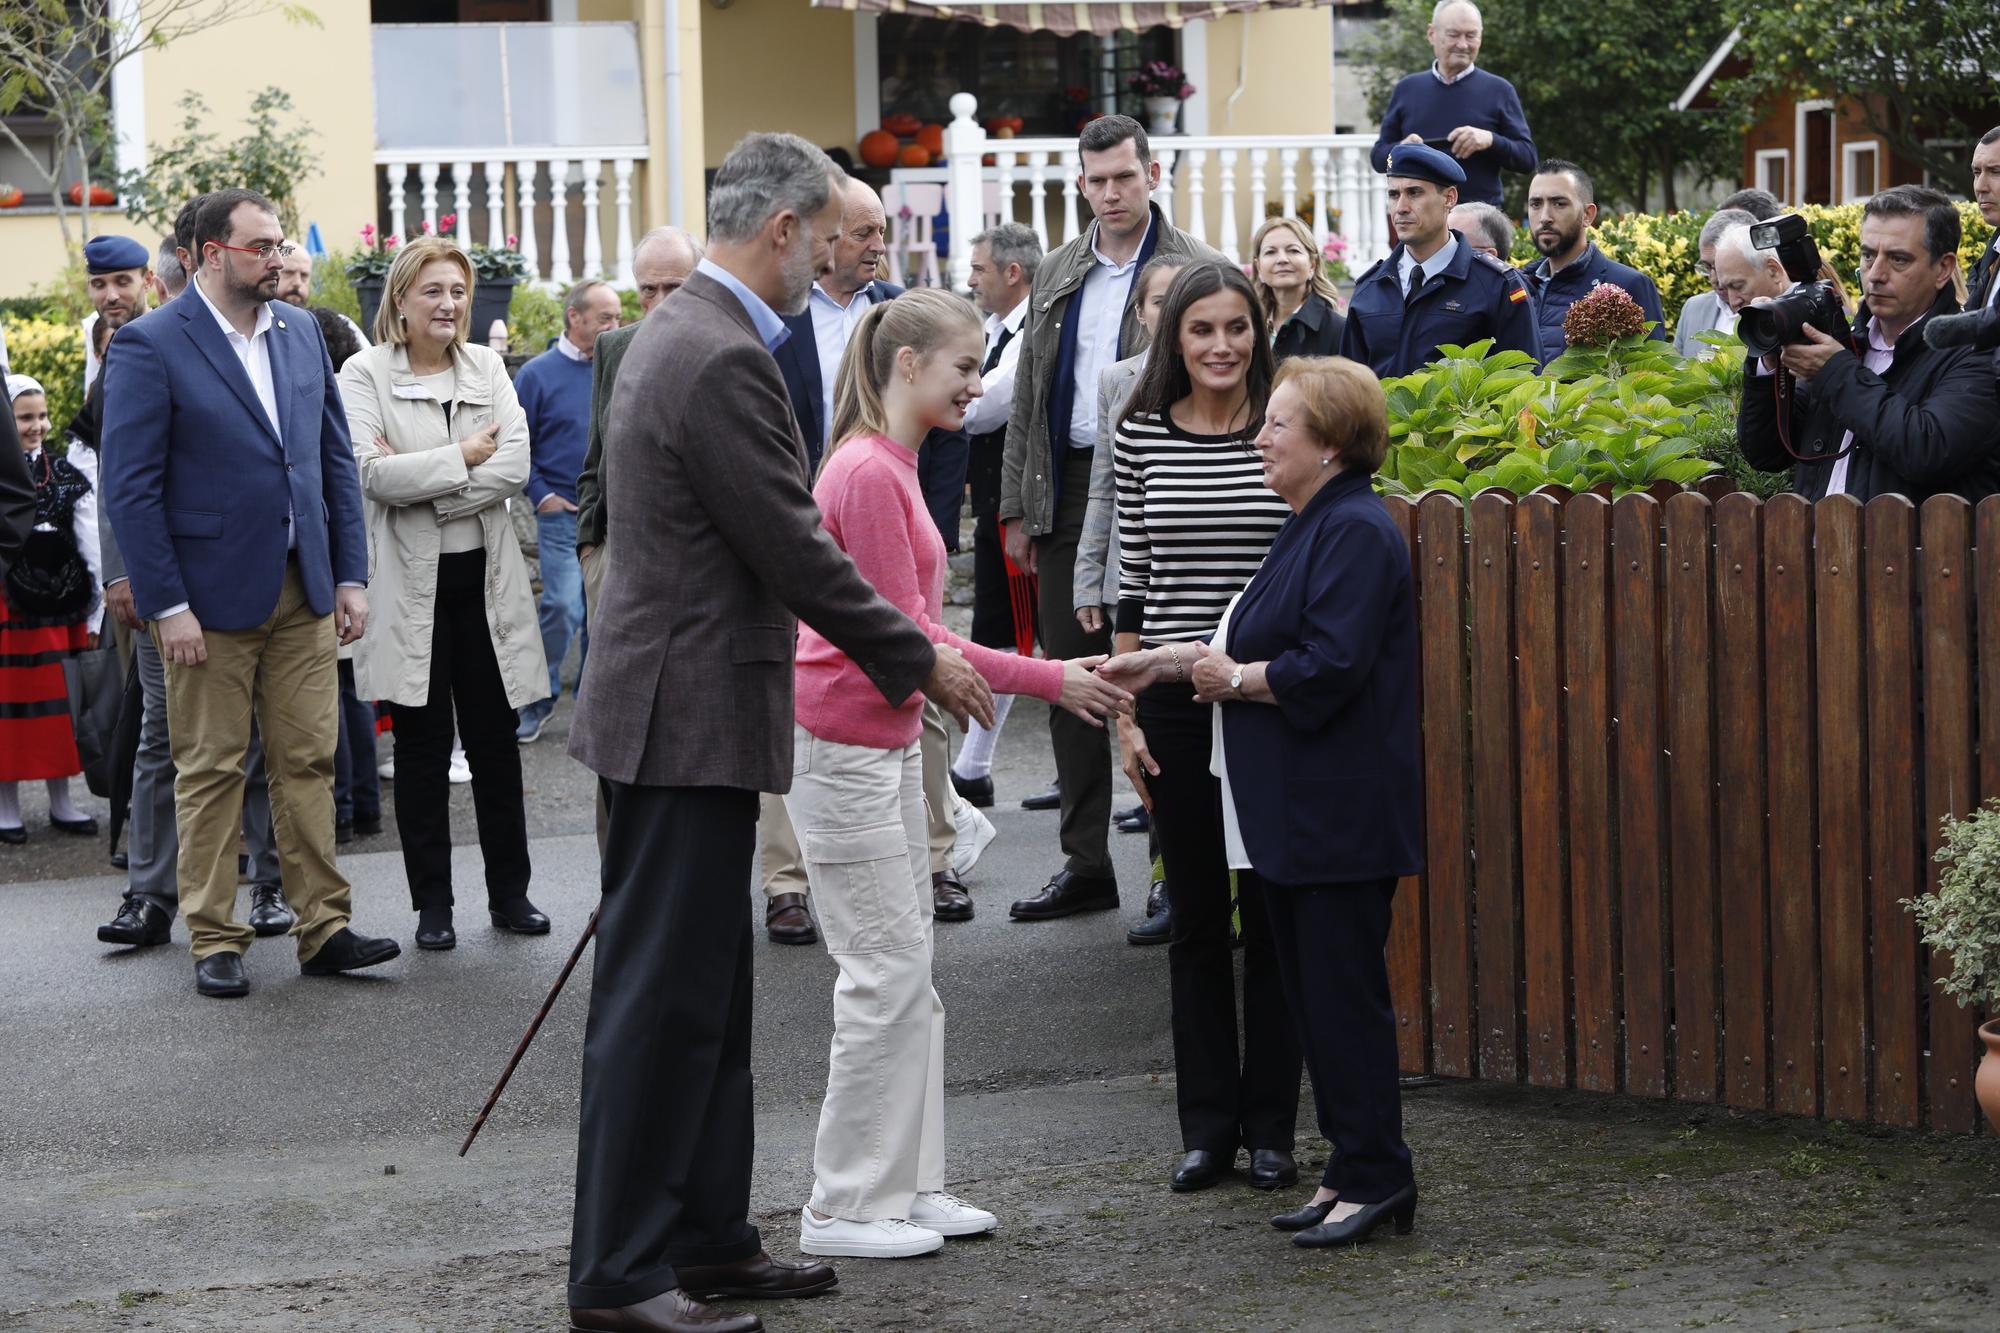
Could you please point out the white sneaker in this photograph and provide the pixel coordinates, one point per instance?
(949, 1215)
(386, 770)
(974, 832)
(890, 1239)
(460, 772)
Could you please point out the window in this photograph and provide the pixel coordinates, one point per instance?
(1859, 171)
(1773, 168)
(1050, 82)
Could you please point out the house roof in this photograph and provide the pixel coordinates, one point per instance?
(1699, 84)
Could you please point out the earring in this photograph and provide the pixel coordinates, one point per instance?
(1326, 462)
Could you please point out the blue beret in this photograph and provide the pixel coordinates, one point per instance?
(109, 254)
(1416, 161)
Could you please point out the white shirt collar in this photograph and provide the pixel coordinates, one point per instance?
(1011, 321)
(1438, 74)
(228, 329)
(1433, 266)
(863, 296)
(570, 349)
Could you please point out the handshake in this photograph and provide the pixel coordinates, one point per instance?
(956, 686)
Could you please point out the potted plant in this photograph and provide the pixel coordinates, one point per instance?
(498, 271)
(1962, 915)
(1163, 87)
(368, 270)
(100, 196)
(10, 195)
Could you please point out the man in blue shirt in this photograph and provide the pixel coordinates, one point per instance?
(1460, 109)
(1561, 208)
(1434, 289)
(555, 393)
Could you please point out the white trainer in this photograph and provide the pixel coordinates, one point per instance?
(949, 1215)
(838, 1238)
(975, 830)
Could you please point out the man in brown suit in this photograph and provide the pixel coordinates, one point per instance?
(686, 712)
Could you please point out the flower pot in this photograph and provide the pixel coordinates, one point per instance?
(1161, 114)
(490, 299)
(1987, 1083)
(368, 291)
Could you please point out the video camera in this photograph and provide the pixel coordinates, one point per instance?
(1768, 326)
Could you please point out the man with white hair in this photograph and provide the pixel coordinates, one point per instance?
(1485, 228)
(1460, 109)
(1743, 273)
(1706, 310)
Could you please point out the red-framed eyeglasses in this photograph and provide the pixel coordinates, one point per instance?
(264, 252)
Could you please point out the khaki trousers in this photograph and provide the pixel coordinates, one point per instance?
(284, 670)
(778, 845)
(881, 1128)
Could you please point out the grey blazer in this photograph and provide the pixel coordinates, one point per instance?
(689, 682)
(1702, 313)
(1096, 571)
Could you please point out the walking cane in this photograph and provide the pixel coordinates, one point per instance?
(589, 929)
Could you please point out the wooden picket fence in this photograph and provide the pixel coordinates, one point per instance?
(1683, 760)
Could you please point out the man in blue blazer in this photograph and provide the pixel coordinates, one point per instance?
(233, 491)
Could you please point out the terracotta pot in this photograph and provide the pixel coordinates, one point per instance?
(1987, 1082)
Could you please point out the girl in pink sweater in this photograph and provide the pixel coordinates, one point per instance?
(857, 793)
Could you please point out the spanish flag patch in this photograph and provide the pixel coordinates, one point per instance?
(1518, 295)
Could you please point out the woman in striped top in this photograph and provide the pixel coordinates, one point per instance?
(1194, 521)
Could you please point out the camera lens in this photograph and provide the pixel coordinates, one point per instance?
(1767, 327)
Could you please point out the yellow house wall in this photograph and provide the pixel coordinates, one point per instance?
(1286, 77)
(777, 65)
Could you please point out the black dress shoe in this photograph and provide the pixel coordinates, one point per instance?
(138, 924)
(787, 920)
(120, 861)
(434, 932)
(13, 837)
(949, 900)
(1045, 800)
(1272, 1167)
(1067, 894)
(367, 828)
(669, 1312)
(346, 951)
(520, 916)
(973, 791)
(1198, 1170)
(220, 975)
(1300, 1218)
(343, 832)
(760, 1277)
(270, 914)
(1136, 820)
(82, 828)
(1157, 927)
(1400, 1208)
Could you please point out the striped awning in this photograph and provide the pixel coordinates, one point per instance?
(1099, 16)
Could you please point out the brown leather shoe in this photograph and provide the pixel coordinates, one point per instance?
(669, 1312)
(760, 1277)
(949, 899)
(787, 920)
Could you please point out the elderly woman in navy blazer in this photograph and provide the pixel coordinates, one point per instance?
(1314, 671)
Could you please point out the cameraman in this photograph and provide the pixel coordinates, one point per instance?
(1920, 421)
(1743, 273)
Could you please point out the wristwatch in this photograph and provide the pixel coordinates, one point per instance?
(1236, 680)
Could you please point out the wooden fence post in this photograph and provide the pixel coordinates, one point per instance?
(1643, 920)
(1840, 706)
(1496, 884)
(1409, 970)
(1788, 706)
(1691, 844)
(1739, 698)
(1587, 724)
(1447, 782)
(1544, 909)
(1895, 829)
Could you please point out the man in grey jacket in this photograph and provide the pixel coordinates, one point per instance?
(1705, 310)
(1080, 320)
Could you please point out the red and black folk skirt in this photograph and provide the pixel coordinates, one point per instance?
(36, 739)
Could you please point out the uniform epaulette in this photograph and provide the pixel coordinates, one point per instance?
(1497, 265)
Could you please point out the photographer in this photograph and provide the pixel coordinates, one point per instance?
(1880, 412)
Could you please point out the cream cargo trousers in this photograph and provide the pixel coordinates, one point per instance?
(860, 817)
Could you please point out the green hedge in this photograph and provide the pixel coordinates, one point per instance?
(52, 352)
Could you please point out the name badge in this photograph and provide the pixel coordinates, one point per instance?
(1453, 305)
(417, 391)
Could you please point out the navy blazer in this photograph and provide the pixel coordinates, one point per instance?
(202, 492)
(1328, 784)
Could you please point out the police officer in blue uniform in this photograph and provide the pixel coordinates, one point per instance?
(1434, 288)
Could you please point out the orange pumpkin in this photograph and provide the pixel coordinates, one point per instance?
(914, 155)
(99, 195)
(10, 196)
(879, 149)
(902, 124)
(932, 137)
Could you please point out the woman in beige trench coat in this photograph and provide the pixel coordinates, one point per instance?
(442, 442)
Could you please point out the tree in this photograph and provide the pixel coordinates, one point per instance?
(58, 57)
(1916, 70)
(1596, 78)
(268, 158)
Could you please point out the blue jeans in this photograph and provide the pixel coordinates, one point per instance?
(562, 598)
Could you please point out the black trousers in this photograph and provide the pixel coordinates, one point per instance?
(1224, 1104)
(667, 1128)
(1083, 753)
(1330, 940)
(465, 678)
(992, 603)
(357, 788)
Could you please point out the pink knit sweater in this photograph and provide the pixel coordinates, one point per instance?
(871, 505)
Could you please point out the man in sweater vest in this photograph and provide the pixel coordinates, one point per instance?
(1460, 109)
(555, 393)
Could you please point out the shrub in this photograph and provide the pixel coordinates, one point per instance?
(333, 288)
(534, 318)
(51, 350)
(269, 158)
(1963, 914)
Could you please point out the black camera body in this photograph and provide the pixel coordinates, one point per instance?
(1767, 327)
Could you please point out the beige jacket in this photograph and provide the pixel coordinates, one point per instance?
(416, 488)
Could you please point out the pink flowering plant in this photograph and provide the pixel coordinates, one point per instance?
(1162, 79)
(371, 259)
(489, 263)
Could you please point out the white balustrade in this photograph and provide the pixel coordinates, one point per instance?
(1330, 174)
(606, 243)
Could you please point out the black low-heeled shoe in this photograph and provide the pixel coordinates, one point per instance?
(1300, 1218)
(1400, 1207)
(434, 930)
(520, 916)
(1271, 1168)
(85, 827)
(1197, 1171)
